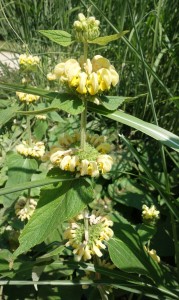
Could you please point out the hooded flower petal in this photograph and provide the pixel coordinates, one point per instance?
(99, 62)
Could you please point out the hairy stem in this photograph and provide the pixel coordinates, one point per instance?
(83, 125)
(85, 213)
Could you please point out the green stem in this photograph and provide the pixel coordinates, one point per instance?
(84, 113)
(29, 129)
(85, 49)
(83, 125)
(102, 292)
(85, 213)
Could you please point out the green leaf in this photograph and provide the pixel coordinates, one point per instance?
(130, 193)
(20, 170)
(112, 102)
(146, 232)
(127, 253)
(175, 100)
(55, 206)
(60, 37)
(40, 129)
(8, 113)
(67, 102)
(163, 136)
(104, 40)
(30, 185)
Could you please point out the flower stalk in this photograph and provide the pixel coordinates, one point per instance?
(83, 125)
(84, 113)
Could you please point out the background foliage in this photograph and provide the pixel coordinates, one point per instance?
(145, 172)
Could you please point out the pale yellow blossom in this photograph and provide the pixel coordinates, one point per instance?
(28, 60)
(150, 213)
(28, 98)
(98, 233)
(90, 76)
(24, 208)
(35, 150)
(152, 254)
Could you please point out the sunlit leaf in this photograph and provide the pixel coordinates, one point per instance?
(60, 37)
(64, 101)
(56, 205)
(104, 40)
(162, 135)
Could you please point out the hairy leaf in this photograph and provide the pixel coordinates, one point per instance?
(60, 37)
(56, 205)
(67, 102)
(104, 40)
(112, 102)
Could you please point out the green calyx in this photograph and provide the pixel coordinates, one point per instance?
(90, 153)
(94, 233)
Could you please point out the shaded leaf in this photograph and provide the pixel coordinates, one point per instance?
(112, 102)
(127, 253)
(130, 193)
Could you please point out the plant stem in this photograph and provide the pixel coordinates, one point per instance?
(29, 129)
(85, 49)
(83, 125)
(84, 113)
(85, 213)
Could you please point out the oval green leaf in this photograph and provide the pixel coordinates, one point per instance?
(60, 37)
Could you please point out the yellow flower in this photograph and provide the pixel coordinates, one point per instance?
(98, 233)
(91, 162)
(59, 70)
(51, 76)
(152, 254)
(93, 85)
(90, 76)
(27, 60)
(24, 208)
(41, 117)
(105, 163)
(72, 69)
(35, 150)
(100, 62)
(82, 89)
(150, 214)
(28, 98)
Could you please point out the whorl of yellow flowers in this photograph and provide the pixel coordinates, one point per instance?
(86, 77)
(91, 161)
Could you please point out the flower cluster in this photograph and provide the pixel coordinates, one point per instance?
(86, 77)
(41, 117)
(28, 62)
(35, 150)
(92, 161)
(150, 215)
(99, 231)
(152, 254)
(24, 208)
(86, 29)
(28, 98)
